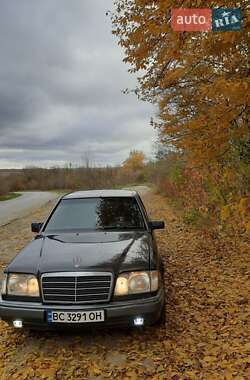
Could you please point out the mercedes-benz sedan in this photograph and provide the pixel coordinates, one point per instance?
(94, 261)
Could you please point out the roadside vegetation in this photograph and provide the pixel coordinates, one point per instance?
(200, 83)
(9, 196)
(204, 200)
(74, 178)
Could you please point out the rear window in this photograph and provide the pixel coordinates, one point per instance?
(114, 213)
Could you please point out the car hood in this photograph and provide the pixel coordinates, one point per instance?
(101, 251)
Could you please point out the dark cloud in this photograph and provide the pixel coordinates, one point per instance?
(61, 75)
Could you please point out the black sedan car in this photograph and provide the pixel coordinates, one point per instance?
(94, 261)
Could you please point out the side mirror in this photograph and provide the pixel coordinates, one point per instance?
(35, 227)
(156, 225)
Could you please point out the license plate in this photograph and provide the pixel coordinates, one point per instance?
(75, 316)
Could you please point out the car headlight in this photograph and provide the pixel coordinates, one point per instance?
(136, 282)
(3, 283)
(22, 285)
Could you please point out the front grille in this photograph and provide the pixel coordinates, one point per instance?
(71, 288)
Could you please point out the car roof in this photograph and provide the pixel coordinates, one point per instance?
(100, 194)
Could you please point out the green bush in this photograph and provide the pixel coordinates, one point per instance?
(191, 216)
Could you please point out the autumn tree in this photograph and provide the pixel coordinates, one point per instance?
(133, 166)
(200, 82)
(135, 161)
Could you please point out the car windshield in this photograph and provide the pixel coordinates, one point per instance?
(96, 214)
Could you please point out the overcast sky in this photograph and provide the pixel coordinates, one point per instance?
(61, 74)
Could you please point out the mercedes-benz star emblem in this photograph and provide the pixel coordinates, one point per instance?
(77, 262)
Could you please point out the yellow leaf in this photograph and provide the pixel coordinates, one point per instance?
(247, 347)
(96, 371)
(228, 374)
(209, 358)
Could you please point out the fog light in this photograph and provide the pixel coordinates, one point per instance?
(139, 321)
(17, 323)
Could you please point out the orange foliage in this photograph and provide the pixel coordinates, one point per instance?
(199, 80)
(135, 161)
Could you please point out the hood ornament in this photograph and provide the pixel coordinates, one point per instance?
(77, 261)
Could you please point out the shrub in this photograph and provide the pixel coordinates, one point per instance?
(191, 216)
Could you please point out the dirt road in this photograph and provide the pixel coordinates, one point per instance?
(206, 332)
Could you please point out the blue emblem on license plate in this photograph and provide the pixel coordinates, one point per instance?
(49, 316)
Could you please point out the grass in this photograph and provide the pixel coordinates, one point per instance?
(9, 196)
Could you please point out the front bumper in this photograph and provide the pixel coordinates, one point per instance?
(118, 313)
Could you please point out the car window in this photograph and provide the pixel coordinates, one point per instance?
(143, 207)
(96, 214)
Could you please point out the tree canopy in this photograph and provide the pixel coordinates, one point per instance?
(199, 80)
